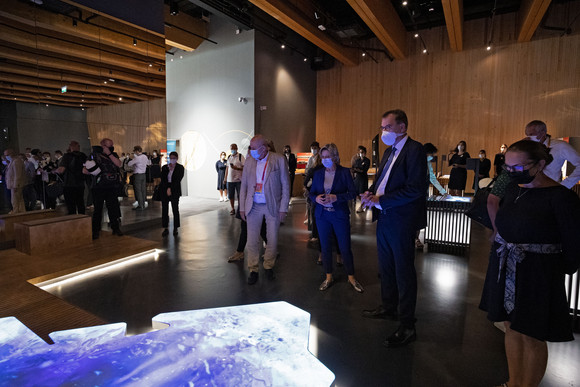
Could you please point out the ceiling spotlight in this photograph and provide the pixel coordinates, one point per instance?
(488, 48)
(134, 42)
(81, 104)
(173, 8)
(305, 59)
(424, 51)
(171, 59)
(74, 22)
(364, 54)
(83, 109)
(120, 98)
(431, 9)
(150, 64)
(404, 3)
(180, 56)
(321, 27)
(416, 35)
(39, 2)
(283, 46)
(105, 82)
(46, 105)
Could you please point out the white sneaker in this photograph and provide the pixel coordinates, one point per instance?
(146, 204)
(221, 199)
(135, 204)
(226, 199)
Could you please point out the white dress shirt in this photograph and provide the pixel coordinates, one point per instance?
(562, 152)
(139, 163)
(259, 197)
(381, 188)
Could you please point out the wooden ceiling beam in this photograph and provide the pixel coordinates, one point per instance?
(55, 85)
(287, 15)
(15, 94)
(60, 64)
(530, 15)
(453, 10)
(73, 96)
(65, 77)
(382, 18)
(183, 31)
(38, 18)
(12, 35)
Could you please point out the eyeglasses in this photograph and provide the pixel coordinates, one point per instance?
(387, 127)
(516, 168)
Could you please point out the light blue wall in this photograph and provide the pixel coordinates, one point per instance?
(202, 98)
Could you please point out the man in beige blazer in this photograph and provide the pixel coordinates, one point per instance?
(265, 193)
(15, 176)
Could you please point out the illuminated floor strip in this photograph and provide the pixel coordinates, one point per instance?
(99, 269)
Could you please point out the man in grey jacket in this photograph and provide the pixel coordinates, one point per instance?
(265, 194)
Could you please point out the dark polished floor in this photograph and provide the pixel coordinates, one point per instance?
(456, 345)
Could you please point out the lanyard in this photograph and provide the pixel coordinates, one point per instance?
(264, 171)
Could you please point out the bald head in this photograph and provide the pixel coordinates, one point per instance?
(259, 145)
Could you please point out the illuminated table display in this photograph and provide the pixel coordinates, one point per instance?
(448, 229)
(250, 345)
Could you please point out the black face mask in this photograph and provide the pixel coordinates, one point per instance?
(523, 177)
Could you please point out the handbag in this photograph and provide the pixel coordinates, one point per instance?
(157, 193)
(478, 209)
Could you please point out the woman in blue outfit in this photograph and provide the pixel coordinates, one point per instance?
(332, 189)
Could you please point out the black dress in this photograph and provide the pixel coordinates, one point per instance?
(498, 162)
(220, 167)
(155, 167)
(458, 176)
(549, 215)
(361, 178)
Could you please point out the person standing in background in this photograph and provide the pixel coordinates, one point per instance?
(139, 164)
(155, 167)
(220, 167)
(458, 176)
(71, 167)
(15, 177)
(560, 150)
(234, 175)
(170, 190)
(484, 167)
(499, 160)
(292, 164)
(360, 167)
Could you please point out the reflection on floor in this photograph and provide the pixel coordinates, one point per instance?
(456, 345)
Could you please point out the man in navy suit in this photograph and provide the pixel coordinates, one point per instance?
(398, 201)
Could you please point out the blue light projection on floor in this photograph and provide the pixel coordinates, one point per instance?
(249, 345)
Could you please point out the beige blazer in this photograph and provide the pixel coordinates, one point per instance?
(15, 175)
(276, 186)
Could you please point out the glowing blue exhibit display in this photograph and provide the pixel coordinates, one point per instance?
(249, 345)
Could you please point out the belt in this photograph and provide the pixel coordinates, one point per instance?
(329, 209)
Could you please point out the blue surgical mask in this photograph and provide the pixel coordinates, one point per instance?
(327, 163)
(172, 161)
(429, 158)
(234, 151)
(255, 153)
(9, 158)
(388, 138)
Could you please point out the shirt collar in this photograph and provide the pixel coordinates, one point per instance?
(401, 143)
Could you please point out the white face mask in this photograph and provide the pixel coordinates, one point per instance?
(172, 161)
(314, 151)
(535, 138)
(327, 163)
(460, 147)
(389, 138)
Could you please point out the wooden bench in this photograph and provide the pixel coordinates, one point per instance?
(53, 234)
(8, 221)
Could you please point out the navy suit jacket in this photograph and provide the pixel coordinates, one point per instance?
(342, 186)
(404, 200)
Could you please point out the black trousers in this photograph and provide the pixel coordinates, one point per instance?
(244, 235)
(396, 252)
(165, 211)
(74, 197)
(108, 196)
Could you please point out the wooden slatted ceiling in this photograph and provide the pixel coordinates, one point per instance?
(453, 10)
(380, 16)
(293, 19)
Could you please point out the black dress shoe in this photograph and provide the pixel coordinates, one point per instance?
(175, 232)
(165, 233)
(117, 232)
(380, 313)
(270, 274)
(253, 278)
(402, 336)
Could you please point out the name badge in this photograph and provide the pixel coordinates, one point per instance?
(259, 188)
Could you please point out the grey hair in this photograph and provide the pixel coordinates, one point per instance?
(333, 150)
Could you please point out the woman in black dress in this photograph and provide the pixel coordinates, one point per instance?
(360, 167)
(156, 167)
(458, 161)
(538, 225)
(220, 167)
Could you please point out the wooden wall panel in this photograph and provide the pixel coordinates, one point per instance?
(140, 123)
(484, 98)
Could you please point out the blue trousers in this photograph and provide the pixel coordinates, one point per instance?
(396, 251)
(339, 222)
